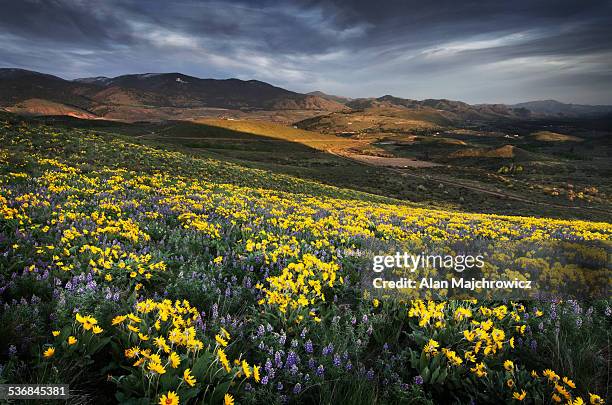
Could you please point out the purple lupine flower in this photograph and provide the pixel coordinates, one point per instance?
(282, 339)
(278, 359)
(264, 380)
(279, 386)
(261, 330)
(308, 346)
(312, 364)
(12, 351)
(320, 370)
(418, 380)
(370, 374)
(337, 361)
(329, 349)
(292, 359)
(348, 366)
(268, 366)
(297, 388)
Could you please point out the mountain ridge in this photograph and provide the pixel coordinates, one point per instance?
(174, 90)
(132, 94)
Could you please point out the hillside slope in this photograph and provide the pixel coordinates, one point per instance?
(155, 265)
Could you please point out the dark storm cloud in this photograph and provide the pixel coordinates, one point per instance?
(474, 51)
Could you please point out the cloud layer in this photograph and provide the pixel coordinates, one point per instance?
(476, 51)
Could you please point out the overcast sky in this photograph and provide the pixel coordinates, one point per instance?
(475, 51)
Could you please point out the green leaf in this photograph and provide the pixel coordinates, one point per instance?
(99, 345)
(187, 394)
(201, 364)
(219, 392)
(423, 361)
(425, 374)
(435, 374)
(413, 359)
(442, 376)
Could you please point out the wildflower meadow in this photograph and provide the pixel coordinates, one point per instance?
(140, 274)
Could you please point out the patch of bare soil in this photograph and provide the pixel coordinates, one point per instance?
(383, 161)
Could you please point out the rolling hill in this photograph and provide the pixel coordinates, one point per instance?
(101, 95)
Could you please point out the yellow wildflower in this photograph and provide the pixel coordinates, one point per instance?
(49, 352)
(246, 369)
(156, 367)
(188, 378)
(221, 341)
(175, 360)
(169, 399)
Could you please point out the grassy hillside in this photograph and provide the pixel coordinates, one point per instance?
(146, 275)
(459, 183)
(311, 139)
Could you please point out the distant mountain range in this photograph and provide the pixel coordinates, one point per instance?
(553, 107)
(166, 95)
(527, 109)
(100, 96)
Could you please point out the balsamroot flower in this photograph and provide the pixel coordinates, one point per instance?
(49, 352)
(169, 399)
(188, 378)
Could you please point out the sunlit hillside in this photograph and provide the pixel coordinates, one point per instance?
(145, 275)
